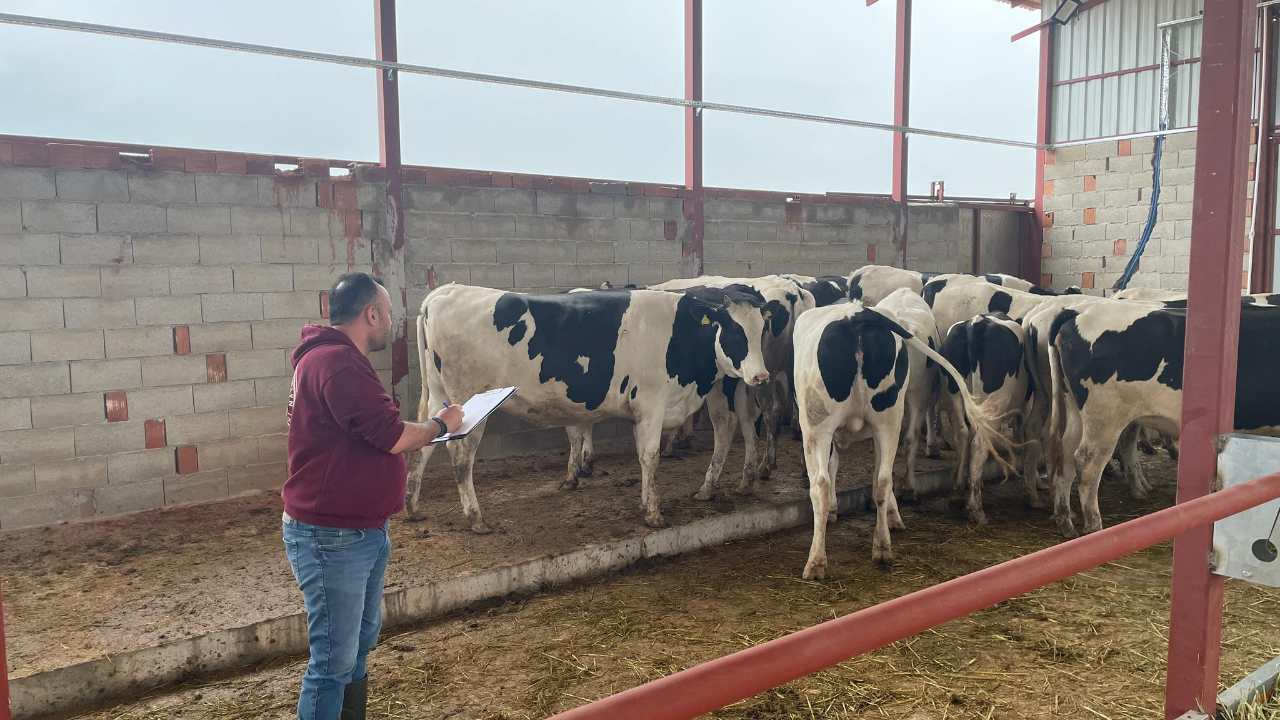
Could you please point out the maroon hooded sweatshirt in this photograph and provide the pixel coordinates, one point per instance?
(342, 427)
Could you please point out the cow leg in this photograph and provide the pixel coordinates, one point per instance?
(588, 454)
(770, 419)
(723, 422)
(1065, 473)
(1091, 457)
(1145, 442)
(1029, 431)
(749, 418)
(961, 436)
(648, 434)
(908, 490)
(463, 453)
(577, 439)
(1128, 451)
(944, 442)
(833, 472)
(933, 435)
(977, 464)
(885, 440)
(817, 454)
(427, 408)
(1171, 446)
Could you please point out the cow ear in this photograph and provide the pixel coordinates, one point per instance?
(703, 313)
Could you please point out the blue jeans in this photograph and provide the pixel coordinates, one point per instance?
(341, 574)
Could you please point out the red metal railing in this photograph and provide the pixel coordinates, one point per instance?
(715, 684)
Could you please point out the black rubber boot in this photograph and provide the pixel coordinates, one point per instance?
(354, 699)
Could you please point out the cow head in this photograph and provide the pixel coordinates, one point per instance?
(740, 325)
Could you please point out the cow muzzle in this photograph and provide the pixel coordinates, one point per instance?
(758, 379)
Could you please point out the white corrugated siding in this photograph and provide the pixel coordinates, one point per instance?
(1110, 38)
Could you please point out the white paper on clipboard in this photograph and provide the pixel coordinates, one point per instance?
(477, 410)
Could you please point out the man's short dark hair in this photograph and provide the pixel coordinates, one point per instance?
(351, 294)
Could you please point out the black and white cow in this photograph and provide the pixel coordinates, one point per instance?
(1122, 363)
(851, 370)
(987, 351)
(913, 314)
(783, 303)
(872, 283)
(826, 290)
(579, 358)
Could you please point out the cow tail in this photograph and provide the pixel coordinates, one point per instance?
(985, 424)
(1053, 433)
(423, 364)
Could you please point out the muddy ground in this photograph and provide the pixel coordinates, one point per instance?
(84, 591)
(1089, 647)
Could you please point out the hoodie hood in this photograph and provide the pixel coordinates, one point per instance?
(314, 336)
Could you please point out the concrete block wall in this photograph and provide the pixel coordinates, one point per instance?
(149, 302)
(1098, 197)
(147, 320)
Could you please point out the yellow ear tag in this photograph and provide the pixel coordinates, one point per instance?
(706, 320)
(768, 314)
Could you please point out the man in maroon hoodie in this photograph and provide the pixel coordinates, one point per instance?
(346, 478)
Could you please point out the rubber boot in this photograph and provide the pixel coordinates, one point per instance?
(354, 699)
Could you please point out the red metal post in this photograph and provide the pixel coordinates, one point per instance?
(693, 204)
(1262, 247)
(4, 669)
(390, 261)
(1031, 247)
(1213, 331)
(901, 117)
(715, 684)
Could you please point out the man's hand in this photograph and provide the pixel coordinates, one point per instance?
(452, 417)
(418, 435)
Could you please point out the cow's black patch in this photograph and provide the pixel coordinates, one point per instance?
(437, 359)
(931, 290)
(625, 379)
(855, 288)
(887, 398)
(827, 290)
(1150, 348)
(928, 361)
(1073, 290)
(729, 386)
(1248, 300)
(984, 346)
(691, 357)
(1037, 290)
(866, 333)
(1000, 302)
(994, 279)
(634, 390)
(733, 338)
(929, 276)
(1273, 299)
(568, 327)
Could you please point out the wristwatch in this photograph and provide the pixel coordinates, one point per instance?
(444, 429)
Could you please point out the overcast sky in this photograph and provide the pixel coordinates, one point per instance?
(832, 57)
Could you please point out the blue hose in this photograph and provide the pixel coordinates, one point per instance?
(1132, 267)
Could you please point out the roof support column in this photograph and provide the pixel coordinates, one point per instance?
(389, 251)
(693, 202)
(901, 118)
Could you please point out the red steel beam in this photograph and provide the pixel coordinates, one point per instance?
(695, 203)
(392, 264)
(901, 115)
(1262, 249)
(720, 682)
(1213, 331)
(1032, 264)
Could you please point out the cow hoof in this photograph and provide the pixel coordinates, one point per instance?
(588, 467)
(956, 502)
(882, 555)
(1035, 502)
(815, 570)
(895, 523)
(1090, 529)
(569, 484)
(655, 521)
(481, 528)
(1138, 493)
(703, 494)
(1066, 528)
(414, 517)
(1147, 448)
(978, 517)
(831, 517)
(745, 489)
(908, 496)
(764, 472)
(934, 454)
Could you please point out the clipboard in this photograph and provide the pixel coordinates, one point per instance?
(477, 410)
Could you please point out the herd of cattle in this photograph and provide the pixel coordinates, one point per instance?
(883, 355)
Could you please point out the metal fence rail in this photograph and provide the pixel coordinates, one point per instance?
(715, 684)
